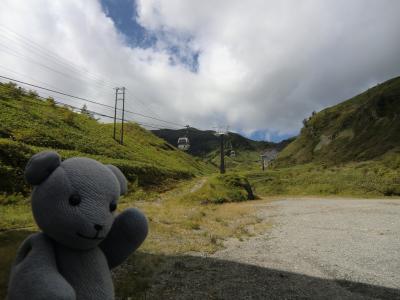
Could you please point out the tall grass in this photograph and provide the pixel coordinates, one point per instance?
(364, 179)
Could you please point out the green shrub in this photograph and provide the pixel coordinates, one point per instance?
(12, 199)
(224, 188)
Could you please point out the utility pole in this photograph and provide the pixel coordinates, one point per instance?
(115, 112)
(119, 96)
(123, 116)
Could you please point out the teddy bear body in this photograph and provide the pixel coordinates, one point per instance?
(73, 203)
(81, 269)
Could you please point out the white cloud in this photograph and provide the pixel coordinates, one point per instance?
(263, 65)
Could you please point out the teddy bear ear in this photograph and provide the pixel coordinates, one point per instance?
(123, 183)
(40, 166)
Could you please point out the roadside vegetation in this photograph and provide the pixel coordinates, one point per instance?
(180, 222)
(220, 189)
(374, 178)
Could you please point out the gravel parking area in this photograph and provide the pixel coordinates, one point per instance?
(317, 249)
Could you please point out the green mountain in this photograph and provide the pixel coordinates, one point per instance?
(29, 124)
(204, 142)
(362, 128)
(206, 145)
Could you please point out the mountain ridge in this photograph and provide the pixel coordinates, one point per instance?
(203, 142)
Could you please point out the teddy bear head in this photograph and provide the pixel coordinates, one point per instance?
(73, 201)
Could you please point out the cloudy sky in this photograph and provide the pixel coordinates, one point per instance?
(259, 66)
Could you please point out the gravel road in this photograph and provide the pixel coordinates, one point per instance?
(317, 249)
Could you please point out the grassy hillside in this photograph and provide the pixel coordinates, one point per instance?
(362, 128)
(29, 124)
(244, 160)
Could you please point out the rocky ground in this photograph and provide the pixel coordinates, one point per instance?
(317, 249)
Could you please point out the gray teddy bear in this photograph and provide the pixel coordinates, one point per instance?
(74, 203)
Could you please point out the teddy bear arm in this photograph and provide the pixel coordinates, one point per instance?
(34, 274)
(126, 235)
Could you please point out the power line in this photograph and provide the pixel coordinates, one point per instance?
(30, 78)
(31, 45)
(155, 126)
(39, 82)
(54, 91)
(31, 60)
(47, 54)
(135, 97)
(69, 105)
(88, 100)
(156, 119)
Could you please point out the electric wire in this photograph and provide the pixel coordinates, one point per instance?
(46, 54)
(97, 113)
(90, 101)
(42, 83)
(31, 60)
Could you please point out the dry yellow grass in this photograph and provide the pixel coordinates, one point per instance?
(179, 225)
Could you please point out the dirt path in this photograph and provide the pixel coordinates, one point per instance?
(318, 249)
(198, 185)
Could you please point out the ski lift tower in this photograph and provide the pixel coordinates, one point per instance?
(263, 159)
(221, 134)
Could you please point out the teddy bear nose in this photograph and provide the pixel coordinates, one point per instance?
(98, 227)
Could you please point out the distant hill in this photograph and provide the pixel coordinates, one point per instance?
(29, 124)
(362, 128)
(204, 142)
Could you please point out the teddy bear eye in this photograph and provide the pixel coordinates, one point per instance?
(74, 199)
(113, 206)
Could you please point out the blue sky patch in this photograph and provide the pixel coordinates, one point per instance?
(124, 14)
(262, 135)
